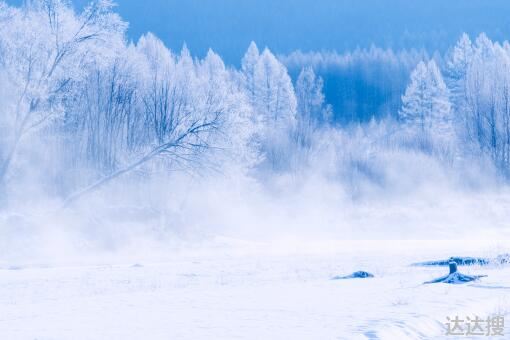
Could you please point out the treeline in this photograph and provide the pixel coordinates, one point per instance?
(82, 106)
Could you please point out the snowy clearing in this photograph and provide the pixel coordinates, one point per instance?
(237, 290)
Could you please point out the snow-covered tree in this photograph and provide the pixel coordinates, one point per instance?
(274, 96)
(234, 145)
(248, 65)
(312, 115)
(192, 113)
(488, 101)
(271, 93)
(457, 65)
(312, 111)
(426, 108)
(46, 49)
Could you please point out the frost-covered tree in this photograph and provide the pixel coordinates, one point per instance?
(312, 111)
(103, 118)
(274, 103)
(426, 108)
(192, 113)
(274, 97)
(270, 92)
(233, 146)
(161, 95)
(46, 49)
(457, 65)
(248, 65)
(488, 101)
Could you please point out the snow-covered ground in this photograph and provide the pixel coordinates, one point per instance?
(229, 289)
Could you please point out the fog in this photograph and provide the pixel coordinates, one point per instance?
(396, 195)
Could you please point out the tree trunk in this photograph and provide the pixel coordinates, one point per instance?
(6, 163)
(453, 267)
(71, 199)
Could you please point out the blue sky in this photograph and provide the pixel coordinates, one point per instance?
(286, 25)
